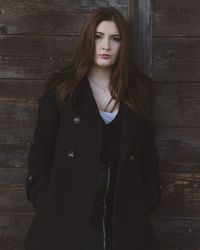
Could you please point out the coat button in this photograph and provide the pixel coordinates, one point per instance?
(131, 157)
(71, 153)
(30, 178)
(76, 119)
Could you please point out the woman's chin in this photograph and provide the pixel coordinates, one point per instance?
(104, 65)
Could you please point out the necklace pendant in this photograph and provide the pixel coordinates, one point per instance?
(103, 90)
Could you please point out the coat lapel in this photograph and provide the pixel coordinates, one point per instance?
(84, 101)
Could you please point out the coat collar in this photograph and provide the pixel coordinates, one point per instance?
(84, 101)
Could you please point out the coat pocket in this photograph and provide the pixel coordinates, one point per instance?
(145, 199)
(34, 186)
(41, 193)
(151, 201)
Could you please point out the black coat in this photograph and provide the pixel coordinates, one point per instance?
(62, 168)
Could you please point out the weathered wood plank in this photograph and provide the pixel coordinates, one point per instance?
(177, 49)
(165, 70)
(176, 59)
(37, 46)
(13, 228)
(177, 7)
(178, 233)
(17, 112)
(45, 17)
(178, 148)
(13, 177)
(34, 56)
(15, 135)
(144, 36)
(181, 16)
(177, 104)
(178, 164)
(10, 223)
(186, 25)
(13, 199)
(180, 193)
(30, 67)
(13, 155)
(121, 5)
(20, 90)
(88, 6)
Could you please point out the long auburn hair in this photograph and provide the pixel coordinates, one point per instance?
(126, 84)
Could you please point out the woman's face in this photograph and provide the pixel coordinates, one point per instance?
(107, 41)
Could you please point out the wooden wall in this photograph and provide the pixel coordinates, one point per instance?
(38, 37)
(176, 75)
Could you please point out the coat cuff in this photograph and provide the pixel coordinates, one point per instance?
(33, 184)
(154, 199)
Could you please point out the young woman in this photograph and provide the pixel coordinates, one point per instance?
(93, 168)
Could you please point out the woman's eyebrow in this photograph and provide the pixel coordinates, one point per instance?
(103, 33)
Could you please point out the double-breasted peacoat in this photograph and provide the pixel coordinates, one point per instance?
(63, 163)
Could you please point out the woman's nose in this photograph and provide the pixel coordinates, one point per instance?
(106, 44)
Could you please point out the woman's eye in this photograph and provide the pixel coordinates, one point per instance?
(97, 36)
(117, 39)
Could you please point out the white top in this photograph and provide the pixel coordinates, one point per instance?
(108, 116)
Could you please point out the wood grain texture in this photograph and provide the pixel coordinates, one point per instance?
(20, 90)
(176, 7)
(37, 46)
(181, 16)
(176, 59)
(178, 148)
(13, 177)
(144, 36)
(178, 233)
(34, 57)
(13, 227)
(45, 17)
(121, 5)
(15, 135)
(22, 67)
(180, 193)
(13, 199)
(17, 112)
(177, 104)
(14, 155)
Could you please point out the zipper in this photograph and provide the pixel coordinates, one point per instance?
(107, 186)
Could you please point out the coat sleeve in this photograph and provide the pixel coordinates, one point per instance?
(150, 167)
(41, 153)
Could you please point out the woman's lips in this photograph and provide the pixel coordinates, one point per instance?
(104, 56)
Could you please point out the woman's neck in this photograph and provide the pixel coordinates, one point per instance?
(99, 75)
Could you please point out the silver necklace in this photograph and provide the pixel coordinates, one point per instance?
(103, 90)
